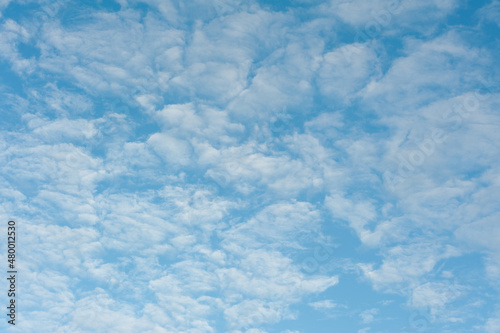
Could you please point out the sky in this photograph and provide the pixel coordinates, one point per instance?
(251, 166)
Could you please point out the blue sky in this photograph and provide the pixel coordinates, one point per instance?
(252, 166)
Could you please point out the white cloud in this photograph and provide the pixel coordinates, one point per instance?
(4, 4)
(435, 295)
(199, 123)
(426, 66)
(100, 313)
(326, 304)
(368, 316)
(170, 149)
(251, 313)
(347, 70)
(492, 325)
(374, 16)
(11, 34)
(406, 265)
(491, 12)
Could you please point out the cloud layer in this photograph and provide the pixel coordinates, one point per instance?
(230, 166)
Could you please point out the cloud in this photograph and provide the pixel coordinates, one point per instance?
(4, 4)
(405, 265)
(170, 149)
(492, 325)
(346, 70)
(427, 67)
(326, 304)
(373, 16)
(12, 34)
(100, 312)
(435, 295)
(252, 312)
(276, 224)
(491, 12)
(368, 316)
